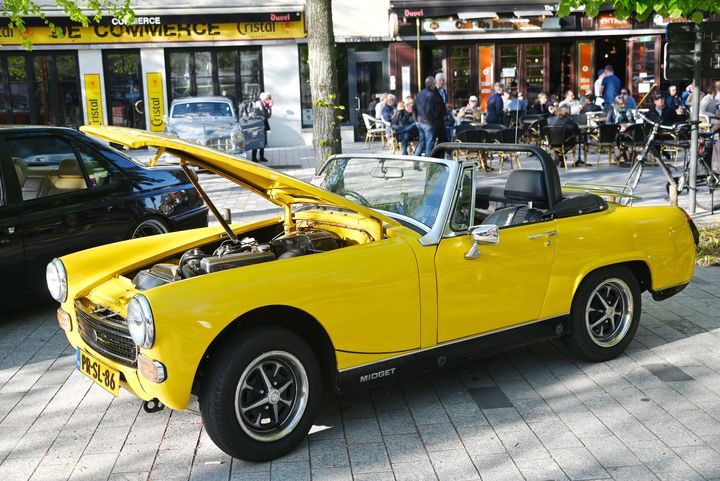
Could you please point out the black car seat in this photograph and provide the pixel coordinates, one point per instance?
(522, 186)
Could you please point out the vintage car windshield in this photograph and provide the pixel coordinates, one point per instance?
(413, 190)
(202, 109)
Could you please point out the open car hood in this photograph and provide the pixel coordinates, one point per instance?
(278, 188)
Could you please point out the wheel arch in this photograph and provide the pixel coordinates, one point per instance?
(638, 268)
(288, 317)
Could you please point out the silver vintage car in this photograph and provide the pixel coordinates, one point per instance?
(208, 121)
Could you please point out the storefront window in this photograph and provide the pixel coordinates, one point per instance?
(40, 88)
(509, 65)
(460, 76)
(233, 73)
(643, 65)
(123, 87)
(535, 71)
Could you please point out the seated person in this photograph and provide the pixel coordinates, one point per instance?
(563, 119)
(619, 113)
(471, 112)
(403, 124)
(388, 111)
(542, 105)
(588, 104)
(570, 102)
(517, 104)
(662, 112)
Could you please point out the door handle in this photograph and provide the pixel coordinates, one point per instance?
(549, 233)
(357, 103)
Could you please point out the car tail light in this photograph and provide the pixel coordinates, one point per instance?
(693, 227)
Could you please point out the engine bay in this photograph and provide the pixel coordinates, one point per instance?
(230, 255)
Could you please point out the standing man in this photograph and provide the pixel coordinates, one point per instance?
(428, 109)
(440, 86)
(495, 105)
(441, 91)
(263, 107)
(610, 87)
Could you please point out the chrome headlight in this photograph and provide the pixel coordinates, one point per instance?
(140, 321)
(56, 279)
(237, 136)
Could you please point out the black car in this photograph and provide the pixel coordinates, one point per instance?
(61, 192)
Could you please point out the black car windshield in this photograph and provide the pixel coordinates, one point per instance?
(411, 189)
(202, 109)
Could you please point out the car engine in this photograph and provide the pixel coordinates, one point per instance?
(230, 255)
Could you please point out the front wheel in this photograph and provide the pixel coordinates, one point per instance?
(605, 314)
(260, 394)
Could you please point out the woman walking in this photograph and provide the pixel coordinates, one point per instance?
(263, 107)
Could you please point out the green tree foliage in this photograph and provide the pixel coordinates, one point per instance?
(91, 11)
(694, 10)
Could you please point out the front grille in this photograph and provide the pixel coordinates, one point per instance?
(107, 333)
(221, 143)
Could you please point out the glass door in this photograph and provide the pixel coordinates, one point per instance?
(524, 68)
(57, 93)
(367, 79)
(535, 69)
(123, 88)
(643, 65)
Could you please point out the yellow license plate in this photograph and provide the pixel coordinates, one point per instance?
(106, 377)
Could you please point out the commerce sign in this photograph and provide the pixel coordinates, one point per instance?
(150, 31)
(156, 107)
(585, 67)
(93, 99)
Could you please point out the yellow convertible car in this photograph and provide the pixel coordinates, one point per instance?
(383, 266)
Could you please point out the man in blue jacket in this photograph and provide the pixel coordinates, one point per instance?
(495, 105)
(428, 109)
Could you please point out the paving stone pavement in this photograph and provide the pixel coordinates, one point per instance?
(534, 413)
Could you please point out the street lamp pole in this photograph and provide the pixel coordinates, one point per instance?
(695, 117)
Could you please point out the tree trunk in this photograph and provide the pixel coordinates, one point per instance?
(323, 81)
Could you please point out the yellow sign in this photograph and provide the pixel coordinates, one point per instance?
(156, 107)
(93, 99)
(155, 32)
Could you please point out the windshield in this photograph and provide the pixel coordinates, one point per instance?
(202, 109)
(411, 189)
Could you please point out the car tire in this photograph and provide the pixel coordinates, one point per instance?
(605, 314)
(150, 226)
(261, 393)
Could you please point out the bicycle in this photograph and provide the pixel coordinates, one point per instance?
(705, 174)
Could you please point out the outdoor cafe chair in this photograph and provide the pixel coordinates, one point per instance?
(604, 137)
(561, 142)
(374, 129)
(509, 136)
(475, 135)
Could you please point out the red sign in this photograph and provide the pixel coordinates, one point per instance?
(487, 54)
(585, 67)
(414, 13)
(609, 21)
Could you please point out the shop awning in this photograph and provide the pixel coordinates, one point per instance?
(466, 9)
(180, 7)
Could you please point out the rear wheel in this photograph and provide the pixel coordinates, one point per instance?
(605, 314)
(148, 227)
(260, 394)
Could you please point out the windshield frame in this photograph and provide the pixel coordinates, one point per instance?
(435, 232)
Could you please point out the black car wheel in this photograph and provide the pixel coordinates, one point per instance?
(260, 394)
(148, 227)
(605, 314)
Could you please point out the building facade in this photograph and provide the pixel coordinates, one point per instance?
(127, 75)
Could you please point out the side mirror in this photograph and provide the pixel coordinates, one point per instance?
(483, 235)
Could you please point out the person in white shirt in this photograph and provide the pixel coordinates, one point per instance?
(571, 102)
(597, 87)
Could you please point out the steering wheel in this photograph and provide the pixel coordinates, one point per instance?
(352, 195)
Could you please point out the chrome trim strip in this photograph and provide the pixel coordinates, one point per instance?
(449, 343)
